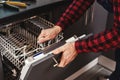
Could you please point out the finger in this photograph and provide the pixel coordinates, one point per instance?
(62, 62)
(57, 51)
(42, 39)
(41, 35)
(67, 61)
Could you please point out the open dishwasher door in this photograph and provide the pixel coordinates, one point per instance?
(19, 48)
(23, 57)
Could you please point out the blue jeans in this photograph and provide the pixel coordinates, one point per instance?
(116, 74)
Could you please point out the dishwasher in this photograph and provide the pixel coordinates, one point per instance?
(24, 59)
(19, 48)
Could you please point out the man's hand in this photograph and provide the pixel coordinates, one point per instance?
(68, 53)
(49, 34)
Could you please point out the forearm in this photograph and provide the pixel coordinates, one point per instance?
(103, 41)
(106, 40)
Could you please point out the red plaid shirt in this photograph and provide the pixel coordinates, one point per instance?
(108, 39)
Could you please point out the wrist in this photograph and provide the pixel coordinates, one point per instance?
(58, 28)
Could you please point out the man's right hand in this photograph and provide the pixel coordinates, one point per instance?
(48, 34)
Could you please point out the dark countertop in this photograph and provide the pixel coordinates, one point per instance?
(8, 15)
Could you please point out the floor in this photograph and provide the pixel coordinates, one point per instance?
(94, 73)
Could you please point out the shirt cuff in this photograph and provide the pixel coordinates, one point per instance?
(81, 46)
(61, 25)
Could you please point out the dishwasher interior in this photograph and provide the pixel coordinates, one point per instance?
(24, 59)
(19, 48)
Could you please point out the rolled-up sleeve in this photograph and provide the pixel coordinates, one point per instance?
(106, 40)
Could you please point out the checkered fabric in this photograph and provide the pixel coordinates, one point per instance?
(106, 40)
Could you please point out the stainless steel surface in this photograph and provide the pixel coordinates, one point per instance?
(94, 73)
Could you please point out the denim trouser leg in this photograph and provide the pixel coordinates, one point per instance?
(116, 74)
